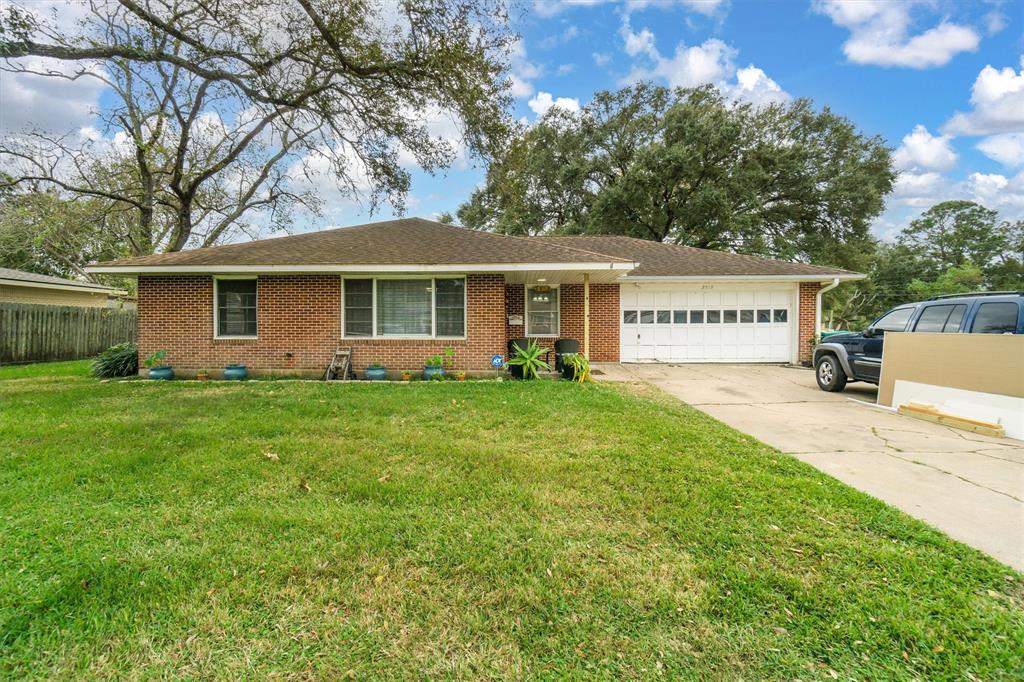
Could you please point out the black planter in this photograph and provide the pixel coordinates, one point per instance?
(568, 372)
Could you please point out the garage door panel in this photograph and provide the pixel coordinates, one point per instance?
(681, 323)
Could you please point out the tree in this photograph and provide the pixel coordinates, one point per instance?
(220, 108)
(687, 167)
(953, 233)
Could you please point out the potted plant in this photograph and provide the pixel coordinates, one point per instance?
(576, 367)
(203, 375)
(236, 372)
(460, 375)
(406, 375)
(434, 367)
(157, 369)
(529, 359)
(376, 372)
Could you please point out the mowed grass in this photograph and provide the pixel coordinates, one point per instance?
(456, 530)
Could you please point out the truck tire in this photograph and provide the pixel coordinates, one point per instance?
(829, 374)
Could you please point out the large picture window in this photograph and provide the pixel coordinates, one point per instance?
(541, 311)
(236, 307)
(405, 308)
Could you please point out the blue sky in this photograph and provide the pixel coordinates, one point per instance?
(888, 66)
(941, 82)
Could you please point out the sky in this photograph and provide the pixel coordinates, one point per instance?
(941, 82)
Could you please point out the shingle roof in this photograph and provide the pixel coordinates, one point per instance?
(407, 241)
(657, 259)
(31, 277)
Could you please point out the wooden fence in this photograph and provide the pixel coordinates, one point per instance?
(37, 333)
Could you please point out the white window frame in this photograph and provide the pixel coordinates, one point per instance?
(216, 318)
(433, 310)
(558, 312)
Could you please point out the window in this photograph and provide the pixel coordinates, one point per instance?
(764, 316)
(956, 318)
(714, 316)
(664, 316)
(450, 306)
(729, 316)
(236, 307)
(995, 318)
(541, 311)
(646, 317)
(679, 316)
(779, 315)
(747, 316)
(696, 316)
(358, 307)
(628, 317)
(405, 307)
(894, 320)
(933, 318)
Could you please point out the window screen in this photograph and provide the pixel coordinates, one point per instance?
(358, 307)
(236, 307)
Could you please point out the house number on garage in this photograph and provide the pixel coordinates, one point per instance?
(705, 287)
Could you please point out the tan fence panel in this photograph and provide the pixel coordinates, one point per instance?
(37, 333)
(989, 363)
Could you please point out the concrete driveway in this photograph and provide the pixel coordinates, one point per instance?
(970, 486)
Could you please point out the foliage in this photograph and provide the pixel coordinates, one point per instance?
(688, 167)
(953, 247)
(375, 365)
(529, 359)
(219, 117)
(434, 361)
(121, 360)
(580, 366)
(156, 359)
(598, 534)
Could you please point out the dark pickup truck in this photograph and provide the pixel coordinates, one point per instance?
(857, 356)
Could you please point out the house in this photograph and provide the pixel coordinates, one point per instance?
(28, 287)
(400, 291)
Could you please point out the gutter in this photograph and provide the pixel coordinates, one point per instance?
(817, 304)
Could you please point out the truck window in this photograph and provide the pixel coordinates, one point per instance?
(995, 318)
(933, 318)
(894, 320)
(956, 318)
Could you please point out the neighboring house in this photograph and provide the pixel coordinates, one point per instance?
(402, 290)
(28, 287)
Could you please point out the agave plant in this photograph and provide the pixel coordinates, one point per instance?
(529, 359)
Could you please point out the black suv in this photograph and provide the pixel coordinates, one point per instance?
(857, 356)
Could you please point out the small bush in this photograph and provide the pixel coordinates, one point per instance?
(121, 360)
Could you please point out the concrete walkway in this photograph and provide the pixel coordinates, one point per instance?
(970, 486)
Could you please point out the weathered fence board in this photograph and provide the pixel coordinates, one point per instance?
(36, 333)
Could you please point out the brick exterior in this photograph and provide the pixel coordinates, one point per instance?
(300, 322)
(807, 330)
(604, 317)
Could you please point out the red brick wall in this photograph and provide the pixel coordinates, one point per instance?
(300, 315)
(807, 331)
(604, 317)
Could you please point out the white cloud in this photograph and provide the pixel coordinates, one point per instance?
(880, 34)
(638, 43)
(544, 102)
(601, 58)
(920, 189)
(999, 192)
(520, 89)
(998, 99)
(922, 151)
(565, 69)
(48, 103)
(565, 36)
(442, 126)
(550, 8)
(995, 21)
(523, 71)
(753, 85)
(1007, 148)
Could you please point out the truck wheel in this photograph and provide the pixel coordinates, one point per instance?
(830, 374)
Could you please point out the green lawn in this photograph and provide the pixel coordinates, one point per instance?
(477, 529)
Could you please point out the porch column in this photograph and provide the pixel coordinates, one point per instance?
(586, 315)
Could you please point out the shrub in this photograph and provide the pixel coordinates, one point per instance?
(121, 360)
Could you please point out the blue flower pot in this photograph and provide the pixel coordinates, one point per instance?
(376, 373)
(236, 373)
(162, 373)
(433, 372)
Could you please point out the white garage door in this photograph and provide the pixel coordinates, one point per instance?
(706, 323)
